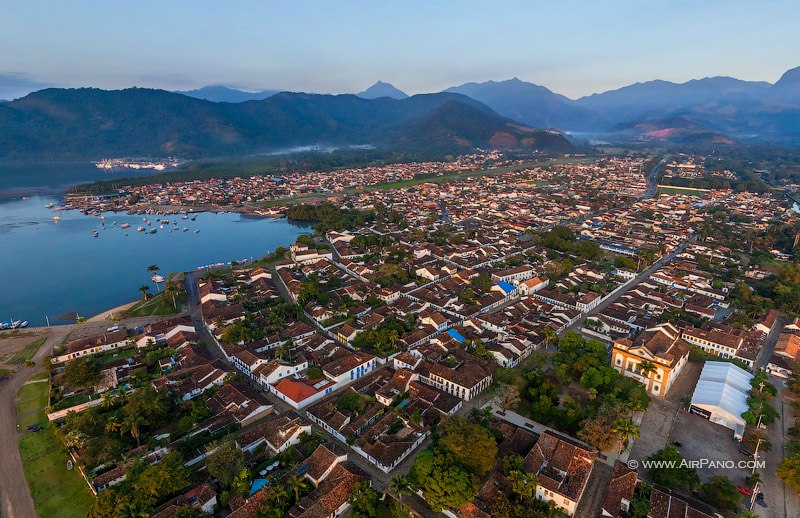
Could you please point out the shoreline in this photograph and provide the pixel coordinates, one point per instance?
(109, 314)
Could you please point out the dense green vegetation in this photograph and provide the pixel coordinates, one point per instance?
(145, 122)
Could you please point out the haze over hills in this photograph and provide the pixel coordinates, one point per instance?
(741, 110)
(220, 93)
(381, 89)
(532, 104)
(90, 123)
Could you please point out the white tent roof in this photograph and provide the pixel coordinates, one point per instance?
(724, 385)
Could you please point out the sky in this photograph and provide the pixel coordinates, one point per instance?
(573, 47)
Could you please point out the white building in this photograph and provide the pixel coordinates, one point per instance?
(721, 395)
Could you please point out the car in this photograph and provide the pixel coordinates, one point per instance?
(743, 490)
(760, 496)
(33, 428)
(677, 444)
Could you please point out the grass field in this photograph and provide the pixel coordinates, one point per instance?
(56, 490)
(671, 189)
(27, 353)
(157, 305)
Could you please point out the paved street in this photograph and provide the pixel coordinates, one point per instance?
(781, 501)
(628, 285)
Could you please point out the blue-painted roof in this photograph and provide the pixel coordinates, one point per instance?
(456, 335)
(507, 287)
(258, 484)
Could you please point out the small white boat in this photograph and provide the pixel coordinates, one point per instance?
(56, 219)
(125, 225)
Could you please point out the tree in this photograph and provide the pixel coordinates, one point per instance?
(445, 483)
(133, 425)
(83, 372)
(158, 481)
(364, 501)
(400, 485)
(153, 269)
(522, 484)
(509, 397)
(646, 368)
(171, 291)
(113, 425)
(471, 444)
(295, 484)
(145, 290)
(225, 464)
(625, 429)
(667, 469)
(720, 492)
(789, 471)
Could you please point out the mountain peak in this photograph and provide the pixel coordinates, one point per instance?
(381, 89)
(790, 77)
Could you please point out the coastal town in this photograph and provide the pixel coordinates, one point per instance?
(482, 337)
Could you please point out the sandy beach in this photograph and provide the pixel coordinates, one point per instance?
(108, 315)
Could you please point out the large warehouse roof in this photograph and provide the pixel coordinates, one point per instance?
(723, 385)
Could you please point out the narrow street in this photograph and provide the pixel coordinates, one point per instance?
(630, 284)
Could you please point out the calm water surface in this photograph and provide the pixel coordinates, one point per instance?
(50, 269)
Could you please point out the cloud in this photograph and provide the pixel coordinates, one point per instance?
(14, 85)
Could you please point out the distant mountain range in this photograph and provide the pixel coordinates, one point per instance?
(708, 108)
(532, 104)
(57, 123)
(89, 123)
(223, 94)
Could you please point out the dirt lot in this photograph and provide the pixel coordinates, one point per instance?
(12, 344)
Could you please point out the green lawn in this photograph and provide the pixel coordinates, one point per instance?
(56, 490)
(156, 305)
(27, 353)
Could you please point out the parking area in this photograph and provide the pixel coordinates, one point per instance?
(702, 439)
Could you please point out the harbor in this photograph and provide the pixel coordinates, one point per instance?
(59, 267)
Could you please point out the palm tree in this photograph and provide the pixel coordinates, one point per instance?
(754, 478)
(295, 484)
(153, 269)
(144, 289)
(279, 494)
(646, 368)
(108, 400)
(522, 484)
(113, 425)
(133, 509)
(132, 425)
(550, 336)
(625, 429)
(170, 290)
(399, 485)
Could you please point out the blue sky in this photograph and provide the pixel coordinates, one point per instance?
(574, 47)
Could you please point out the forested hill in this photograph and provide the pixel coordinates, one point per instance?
(89, 123)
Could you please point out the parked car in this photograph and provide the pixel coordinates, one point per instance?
(677, 444)
(33, 428)
(746, 492)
